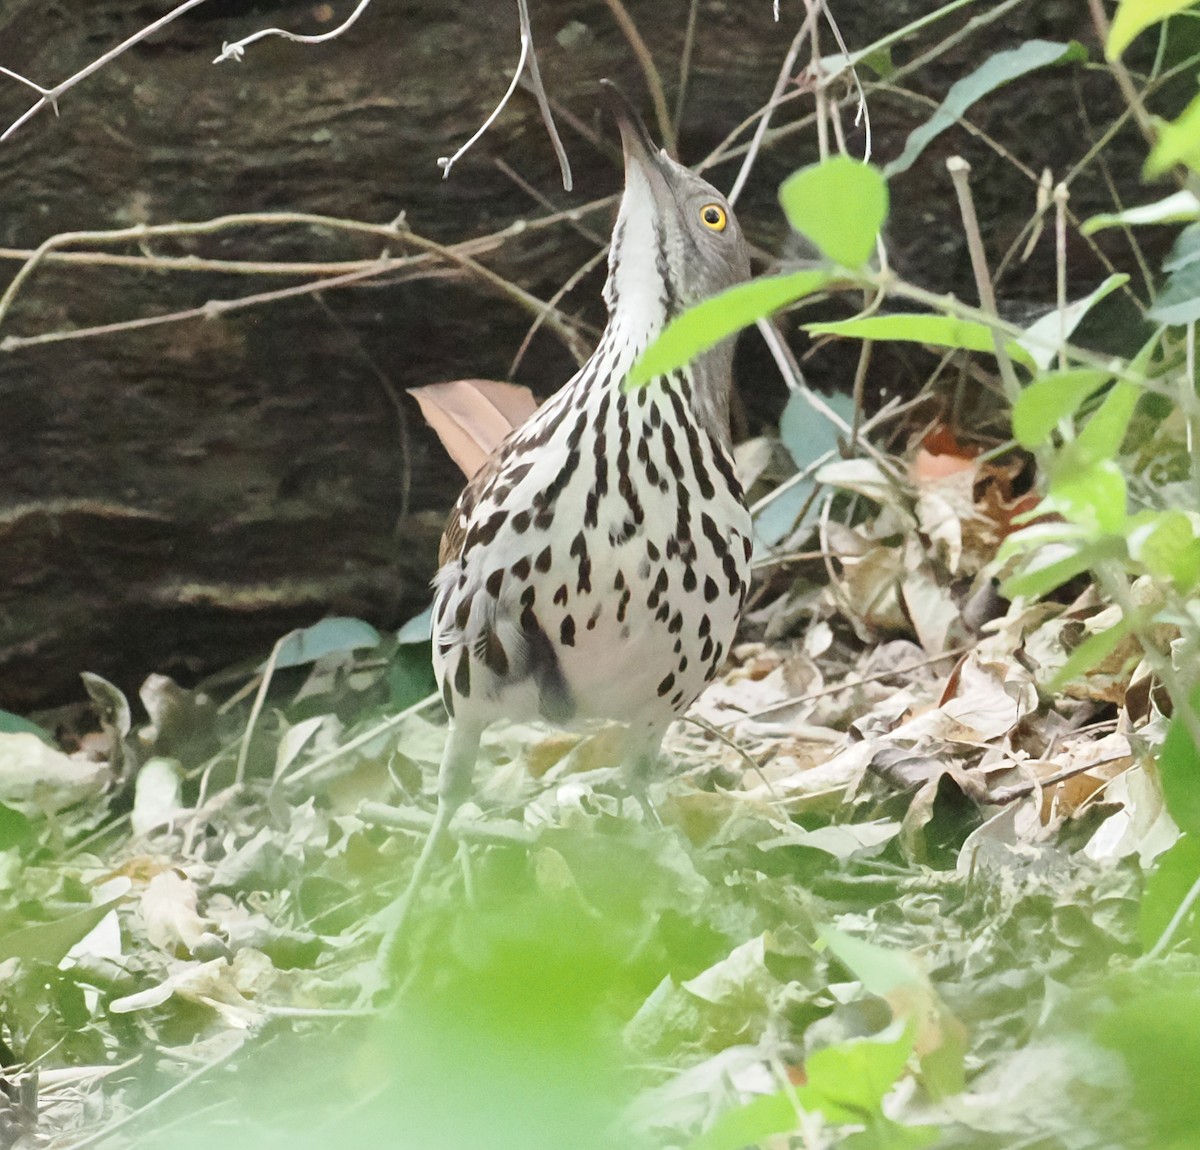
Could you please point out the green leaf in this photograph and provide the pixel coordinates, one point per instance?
(309, 644)
(1178, 143)
(419, 629)
(880, 62)
(906, 327)
(11, 724)
(880, 969)
(1179, 770)
(1134, 16)
(809, 436)
(848, 1082)
(1000, 69)
(1185, 250)
(1094, 649)
(839, 204)
(1050, 399)
(1038, 579)
(711, 321)
(1179, 301)
(749, 1124)
(1165, 543)
(1175, 872)
(1093, 497)
(48, 942)
(1045, 336)
(1156, 1031)
(1179, 207)
(1102, 435)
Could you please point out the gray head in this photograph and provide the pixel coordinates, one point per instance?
(676, 240)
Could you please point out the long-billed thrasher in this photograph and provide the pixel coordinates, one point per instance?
(595, 567)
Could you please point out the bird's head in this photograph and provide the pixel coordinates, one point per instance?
(676, 239)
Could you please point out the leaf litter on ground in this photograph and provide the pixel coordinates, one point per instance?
(881, 828)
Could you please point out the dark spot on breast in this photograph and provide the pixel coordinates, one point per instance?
(661, 614)
(521, 568)
(560, 596)
(689, 578)
(462, 676)
(521, 521)
(566, 632)
(492, 653)
(729, 566)
(652, 551)
(542, 563)
(665, 686)
(483, 533)
(463, 614)
(494, 582)
(594, 618)
(711, 591)
(676, 623)
(706, 650)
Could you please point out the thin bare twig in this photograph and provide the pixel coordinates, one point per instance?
(394, 398)
(960, 173)
(764, 117)
(650, 71)
(448, 162)
(209, 310)
(568, 286)
(685, 65)
(51, 96)
(1061, 195)
(237, 50)
(837, 688)
(543, 101)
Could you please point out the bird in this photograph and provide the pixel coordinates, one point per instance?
(595, 567)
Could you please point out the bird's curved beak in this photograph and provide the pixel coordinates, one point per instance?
(640, 151)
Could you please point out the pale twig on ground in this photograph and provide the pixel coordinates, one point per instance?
(361, 740)
(837, 688)
(495, 831)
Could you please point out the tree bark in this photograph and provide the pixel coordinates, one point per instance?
(175, 497)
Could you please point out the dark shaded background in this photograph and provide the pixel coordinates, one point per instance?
(173, 499)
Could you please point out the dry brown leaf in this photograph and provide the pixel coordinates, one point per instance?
(472, 416)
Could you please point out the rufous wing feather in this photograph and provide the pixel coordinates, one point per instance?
(473, 416)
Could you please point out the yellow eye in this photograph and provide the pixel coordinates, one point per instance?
(713, 216)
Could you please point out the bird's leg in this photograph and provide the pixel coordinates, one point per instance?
(642, 749)
(454, 785)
